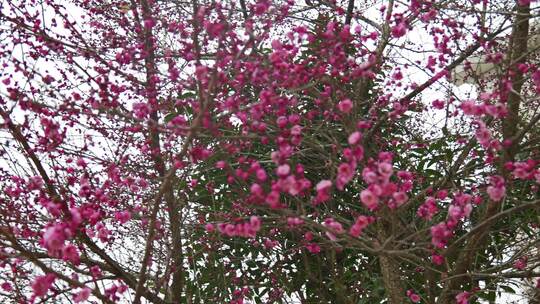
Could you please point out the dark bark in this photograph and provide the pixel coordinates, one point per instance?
(350, 10)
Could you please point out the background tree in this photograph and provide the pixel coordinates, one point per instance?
(268, 151)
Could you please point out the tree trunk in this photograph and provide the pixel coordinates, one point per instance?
(395, 291)
(516, 53)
